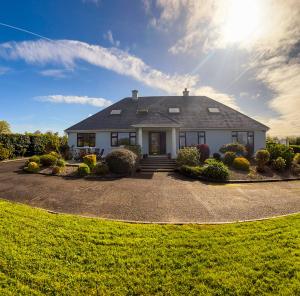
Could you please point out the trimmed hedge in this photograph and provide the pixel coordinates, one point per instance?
(121, 161)
(48, 160)
(83, 170)
(279, 164)
(31, 144)
(229, 157)
(262, 157)
(32, 167)
(280, 150)
(239, 149)
(191, 171)
(215, 170)
(101, 169)
(241, 163)
(204, 151)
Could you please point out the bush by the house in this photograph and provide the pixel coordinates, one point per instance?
(4, 153)
(239, 149)
(188, 156)
(249, 151)
(83, 170)
(32, 167)
(262, 158)
(56, 170)
(296, 164)
(280, 150)
(135, 149)
(48, 160)
(61, 163)
(204, 151)
(296, 159)
(229, 157)
(55, 154)
(217, 156)
(215, 170)
(191, 171)
(101, 169)
(279, 164)
(241, 163)
(296, 148)
(121, 161)
(90, 160)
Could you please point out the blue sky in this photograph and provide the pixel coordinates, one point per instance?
(82, 55)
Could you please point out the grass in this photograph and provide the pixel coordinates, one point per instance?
(42, 253)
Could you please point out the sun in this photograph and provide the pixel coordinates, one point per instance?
(243, 21)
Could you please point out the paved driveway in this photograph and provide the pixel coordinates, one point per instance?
(157, 198)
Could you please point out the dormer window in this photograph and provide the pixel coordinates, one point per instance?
(213, 110)
(142, 111)
(115, 112)
(174, 110)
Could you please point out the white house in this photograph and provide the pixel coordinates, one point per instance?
(163, 124)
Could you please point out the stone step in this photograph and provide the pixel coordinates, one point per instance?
(156, 170)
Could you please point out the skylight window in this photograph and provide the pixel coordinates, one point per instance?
(213, 110)
(142, 111)
(174, 110)
(115, 112)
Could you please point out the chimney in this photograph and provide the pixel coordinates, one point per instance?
(185, 92)
(135, 95)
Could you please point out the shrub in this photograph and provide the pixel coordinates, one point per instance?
(83, 170)
(135, 149)
(249, 151)
(296, 148)
(101, 169)
(241, 163)
(4, 153)
(203, 151)
(56, 170)
(279, 164)
(262, 157)
(32, 167)
(48, 160)
(121, 161)
(217, 156)
(188, 156)
(296, 159)
(280, 150)
(90, 160)
(55, 154)
(215, 170)
(239, 149)
(229, 157)
(61, 163)
(191, 171)
(35, 158)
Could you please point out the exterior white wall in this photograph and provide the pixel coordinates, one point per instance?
(72, 139)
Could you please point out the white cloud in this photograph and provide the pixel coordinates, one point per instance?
(57, 73)
(109, 36)
(84, 100)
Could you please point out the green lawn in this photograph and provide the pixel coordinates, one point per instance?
(42, 253)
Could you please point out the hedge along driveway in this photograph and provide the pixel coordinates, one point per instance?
(162, 198)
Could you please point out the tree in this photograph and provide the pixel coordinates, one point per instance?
(4, 127)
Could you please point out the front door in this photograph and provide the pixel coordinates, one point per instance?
(157, 143)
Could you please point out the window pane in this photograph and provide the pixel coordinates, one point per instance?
(123, 138)
(191, 139)
(132, 140)
(114, 141)
(92, 140)
(182, 140)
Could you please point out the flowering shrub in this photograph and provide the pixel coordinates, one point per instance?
(239, 149)
(188, 156)
(279, 164)
(83, 170)
(215, 170)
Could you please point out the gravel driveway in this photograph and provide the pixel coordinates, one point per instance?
(156, 198)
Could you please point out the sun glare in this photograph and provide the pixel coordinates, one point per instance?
(243, 21)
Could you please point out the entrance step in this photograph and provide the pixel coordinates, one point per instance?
(157, 164)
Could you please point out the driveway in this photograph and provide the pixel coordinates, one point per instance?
(154, 198)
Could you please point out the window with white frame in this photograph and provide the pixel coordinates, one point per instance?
(123, 138)
(245, 138)
(86, 140)
(191, 138)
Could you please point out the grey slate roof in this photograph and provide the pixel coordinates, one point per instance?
(193, 114)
